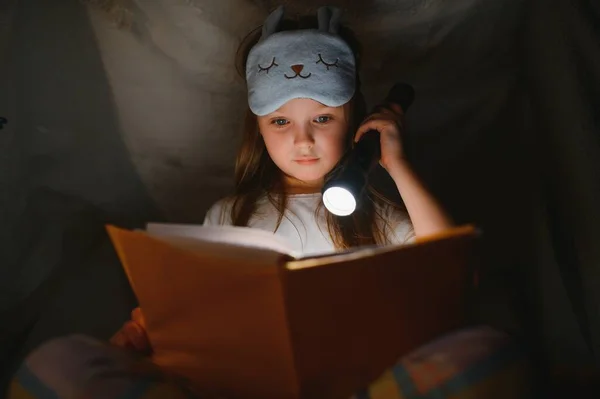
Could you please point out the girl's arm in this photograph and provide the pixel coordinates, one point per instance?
(426, 214)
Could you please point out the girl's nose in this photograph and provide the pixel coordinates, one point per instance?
(304, 136)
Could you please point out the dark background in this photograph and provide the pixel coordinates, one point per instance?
(127, 111)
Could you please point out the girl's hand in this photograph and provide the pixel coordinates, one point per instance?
(388, 122)
(425, 212)
(133, 334)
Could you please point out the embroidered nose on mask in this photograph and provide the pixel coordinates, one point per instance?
(298, 72)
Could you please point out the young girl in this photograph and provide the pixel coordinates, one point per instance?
(305, 110)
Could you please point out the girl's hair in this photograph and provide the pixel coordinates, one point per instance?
(257, 176)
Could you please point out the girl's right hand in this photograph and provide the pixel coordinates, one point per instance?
(133, 334)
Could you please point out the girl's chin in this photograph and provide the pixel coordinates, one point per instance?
(309, 174)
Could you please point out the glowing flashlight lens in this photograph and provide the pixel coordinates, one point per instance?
(339, 201)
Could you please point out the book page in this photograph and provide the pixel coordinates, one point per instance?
(214, 311)
(233, 235)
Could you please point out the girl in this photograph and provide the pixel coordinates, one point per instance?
(304, 105)
(305, 109)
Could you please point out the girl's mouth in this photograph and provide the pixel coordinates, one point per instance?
(306, 161)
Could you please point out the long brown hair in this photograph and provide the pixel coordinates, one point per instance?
(257, 176)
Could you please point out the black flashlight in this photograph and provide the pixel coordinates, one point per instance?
(342, 191)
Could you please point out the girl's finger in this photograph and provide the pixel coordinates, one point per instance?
(379, 125)
(138, 317)
(365, 127)
(379, 116)
(397, 109)
(135, 338)
(119, 339)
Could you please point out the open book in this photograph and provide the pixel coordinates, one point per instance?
(234, 310)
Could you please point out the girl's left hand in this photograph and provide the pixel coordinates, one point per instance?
(133, 334)
(388, 122)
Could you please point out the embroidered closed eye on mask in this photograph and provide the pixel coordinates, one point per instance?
(308, 63)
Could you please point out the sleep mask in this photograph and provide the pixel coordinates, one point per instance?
(307, 63)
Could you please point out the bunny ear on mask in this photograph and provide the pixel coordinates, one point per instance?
(329, 19)
(272, 22)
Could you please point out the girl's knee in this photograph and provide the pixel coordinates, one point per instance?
(75, 365)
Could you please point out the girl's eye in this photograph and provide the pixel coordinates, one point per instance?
(279, 122)
(323, 119)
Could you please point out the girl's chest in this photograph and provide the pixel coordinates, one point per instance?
(303, 231)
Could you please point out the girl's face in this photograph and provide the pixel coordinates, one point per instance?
(305, 138)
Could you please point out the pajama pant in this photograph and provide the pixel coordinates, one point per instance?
(475, 362)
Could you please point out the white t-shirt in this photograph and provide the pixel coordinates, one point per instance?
(301, 228)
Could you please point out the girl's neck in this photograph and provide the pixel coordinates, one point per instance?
(294, 186)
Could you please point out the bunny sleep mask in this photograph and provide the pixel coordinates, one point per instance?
(308, 63)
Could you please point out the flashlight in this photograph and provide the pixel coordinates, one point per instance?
(342, 191)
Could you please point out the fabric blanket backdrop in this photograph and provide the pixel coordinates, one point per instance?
(134, 106)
